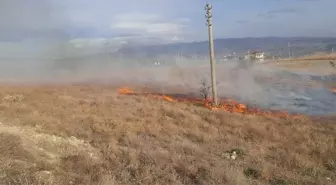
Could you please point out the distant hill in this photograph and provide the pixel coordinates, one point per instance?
(275, 46)
(64, 56)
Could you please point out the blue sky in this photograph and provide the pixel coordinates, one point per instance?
(163, 20)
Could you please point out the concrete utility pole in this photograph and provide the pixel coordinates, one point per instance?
(208, 17)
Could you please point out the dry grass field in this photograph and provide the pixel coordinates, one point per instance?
(89, 134)
(318, 56)
(321, 67)
(315, 56)
(319, 63)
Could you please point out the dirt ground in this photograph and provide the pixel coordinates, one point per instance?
(89, 134)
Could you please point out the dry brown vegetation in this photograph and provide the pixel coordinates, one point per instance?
(319, 64)
(316, 56)
(320, 56)
(91, 135)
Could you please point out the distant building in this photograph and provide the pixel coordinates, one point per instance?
(260, 56)
(255, 56)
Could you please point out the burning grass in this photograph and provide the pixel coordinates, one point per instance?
(94, 135)
(224, 105)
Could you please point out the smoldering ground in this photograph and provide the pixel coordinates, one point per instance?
(265, 87)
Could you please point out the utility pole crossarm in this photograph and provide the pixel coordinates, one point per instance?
(208, 17)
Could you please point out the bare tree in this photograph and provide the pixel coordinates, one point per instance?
(205, 89)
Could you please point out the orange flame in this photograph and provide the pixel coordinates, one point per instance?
(126, 90)
(167, 98)
(224, 105)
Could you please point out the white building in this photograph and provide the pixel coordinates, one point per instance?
(260, 56)
(257, 56)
